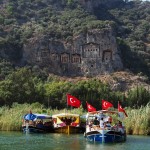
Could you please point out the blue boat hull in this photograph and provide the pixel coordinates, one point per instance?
(32, 129)
(109, 137)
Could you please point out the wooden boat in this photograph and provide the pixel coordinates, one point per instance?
(67, 123)
(106, 133)
(37, 123)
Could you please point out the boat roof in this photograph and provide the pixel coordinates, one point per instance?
(103, 111)
(32, 116)
(43, 115)
(65, 115)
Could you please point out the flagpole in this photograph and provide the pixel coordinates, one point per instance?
(71, 107)
(67, 101)
(118, 110)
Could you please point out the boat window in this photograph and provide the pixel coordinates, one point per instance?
(68, 120)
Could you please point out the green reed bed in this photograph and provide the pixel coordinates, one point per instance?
(138, 120)
(11, 118)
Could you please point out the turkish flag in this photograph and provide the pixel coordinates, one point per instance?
(106, 104)
(73, 101)
(90, 108)
(120, 109)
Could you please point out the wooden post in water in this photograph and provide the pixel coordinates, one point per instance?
(68, 130)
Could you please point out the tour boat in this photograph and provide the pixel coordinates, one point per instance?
(67, 123)
(104, 132)
(37, 123)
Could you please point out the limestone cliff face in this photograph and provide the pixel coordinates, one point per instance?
(91, 53)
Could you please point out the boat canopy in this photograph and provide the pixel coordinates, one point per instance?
(103, 111)
(65, 115)
(60, 117)
(32, 117)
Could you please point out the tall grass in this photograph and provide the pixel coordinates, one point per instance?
(11, 118)
(138, 120)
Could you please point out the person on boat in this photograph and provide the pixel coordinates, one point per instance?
(101, 115)
(101, 123)
(73, 119)
(109, 119)
(95, 122)
(39, 124)
(120, 127)
(68, 122)
(31, 123)
(25, 122)
(63, 119)
(108, 125)
(48, 123)
(119, 123)
(90, 125)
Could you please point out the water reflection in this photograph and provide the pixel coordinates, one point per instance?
(20, 141)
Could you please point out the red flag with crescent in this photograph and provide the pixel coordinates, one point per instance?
(120, 109)
(106, 104)
(90, 108)
(73, 101)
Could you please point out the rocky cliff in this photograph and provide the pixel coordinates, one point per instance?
(91, 53)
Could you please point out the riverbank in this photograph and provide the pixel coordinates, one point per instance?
(137, 122)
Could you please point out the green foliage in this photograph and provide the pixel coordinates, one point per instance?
(138, 97)
(70, 2)
(9, 9)
(5, 68)
(28, 19)
(5, 92)
(25, 86)
(1, 19)
(21, 86)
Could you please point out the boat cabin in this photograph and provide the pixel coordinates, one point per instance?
(66, 119)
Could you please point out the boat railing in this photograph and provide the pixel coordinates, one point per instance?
(75, 124)
(116, 128)
(37, 123)
(95, 128)
(28, 123)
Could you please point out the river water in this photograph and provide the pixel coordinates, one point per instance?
(21, 141)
